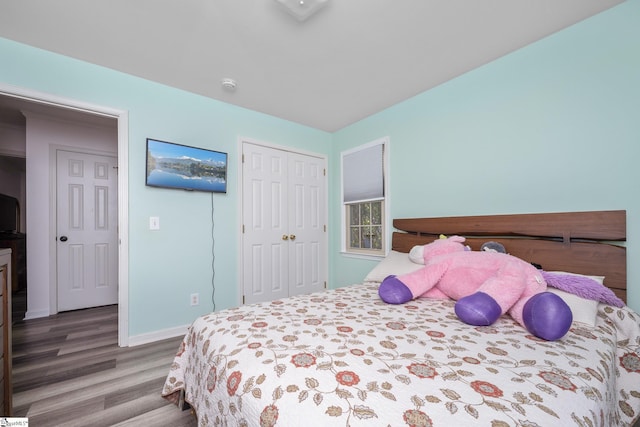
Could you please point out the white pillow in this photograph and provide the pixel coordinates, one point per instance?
(394, 263)
(584, 310)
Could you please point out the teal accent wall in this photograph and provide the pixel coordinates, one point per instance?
(166, 266)
(552, 127)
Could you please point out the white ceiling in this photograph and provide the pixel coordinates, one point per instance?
(350, 60)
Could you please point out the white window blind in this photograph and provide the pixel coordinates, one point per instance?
(363, 174)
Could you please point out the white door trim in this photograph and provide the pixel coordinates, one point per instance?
(241, 141)
(122, 117)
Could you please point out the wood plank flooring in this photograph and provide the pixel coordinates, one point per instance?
(69, 371)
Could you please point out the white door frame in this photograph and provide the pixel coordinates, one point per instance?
(242, 140)
(122, 117)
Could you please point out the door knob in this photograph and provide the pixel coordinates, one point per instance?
(285, 237)
(63, 238)
(292, 237)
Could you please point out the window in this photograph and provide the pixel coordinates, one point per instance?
(365, 225)
(364, 199)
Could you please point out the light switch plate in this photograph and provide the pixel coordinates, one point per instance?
(154, 223)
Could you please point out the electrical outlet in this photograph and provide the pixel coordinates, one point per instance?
(195, 299)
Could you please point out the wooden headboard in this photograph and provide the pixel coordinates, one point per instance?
(578, 242)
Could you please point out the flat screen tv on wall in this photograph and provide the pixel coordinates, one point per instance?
(182, 167)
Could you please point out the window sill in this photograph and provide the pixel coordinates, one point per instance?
(358, 255)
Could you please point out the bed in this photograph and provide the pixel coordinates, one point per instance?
(343, 357)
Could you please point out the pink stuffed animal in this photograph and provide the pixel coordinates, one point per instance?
(485, 286)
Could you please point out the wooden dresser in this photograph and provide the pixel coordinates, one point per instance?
(5, 332)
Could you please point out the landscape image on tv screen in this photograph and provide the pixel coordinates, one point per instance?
(178, 166)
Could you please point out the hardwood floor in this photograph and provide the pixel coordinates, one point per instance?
(69, 371)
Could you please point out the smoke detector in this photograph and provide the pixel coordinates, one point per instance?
(302, 9)
(229, 84)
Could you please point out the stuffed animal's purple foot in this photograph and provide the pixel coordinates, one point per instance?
(547, 316)
(478, 309)
(393, 291)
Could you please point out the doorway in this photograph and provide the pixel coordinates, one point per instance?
(43, 101)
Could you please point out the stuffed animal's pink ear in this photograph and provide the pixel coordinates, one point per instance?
(458, 239)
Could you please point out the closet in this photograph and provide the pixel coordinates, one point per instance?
(284, 211)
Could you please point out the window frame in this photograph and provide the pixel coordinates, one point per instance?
(345, 224)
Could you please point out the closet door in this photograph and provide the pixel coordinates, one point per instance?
(307, 204)
(284, 246)
(264, 224)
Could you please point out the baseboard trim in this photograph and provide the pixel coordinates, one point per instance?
(163, 334)
(36, 314)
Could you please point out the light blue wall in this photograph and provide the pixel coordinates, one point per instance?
(552, 127)
(166, 266)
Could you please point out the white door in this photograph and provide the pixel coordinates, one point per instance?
(87, 213)
(307, 235)
(283, 212)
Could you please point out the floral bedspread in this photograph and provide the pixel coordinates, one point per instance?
(345, 358)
